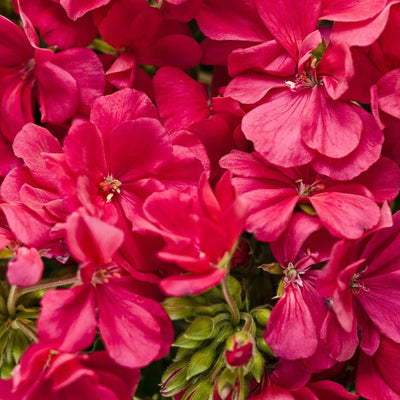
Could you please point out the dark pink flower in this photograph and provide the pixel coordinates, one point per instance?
(378, 375)
(111, 164)
(215, 124)
(63, 83)
(45, 372)
(274, 192)
(54, 25)
(361, 282)
(135, 330)
(200, 231)
(143, 37)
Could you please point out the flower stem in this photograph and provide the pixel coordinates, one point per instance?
(49, 284)
(229, 299)
(11, 300)
(27, 330)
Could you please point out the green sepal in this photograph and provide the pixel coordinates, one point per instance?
(174, 379)
(235, 289)
(257, 367)
(319, 51)
(202, 391)
(226, 381)
(178, 307)
(262, 346)
(186, 343)
(201, 361)
(200, 329)
(308, 209)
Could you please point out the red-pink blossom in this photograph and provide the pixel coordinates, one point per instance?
(361, 283)
(65, 83)
(200, 230)
(135, 329)
(45, 372)
(346, 209)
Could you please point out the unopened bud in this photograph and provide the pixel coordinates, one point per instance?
(239, 349)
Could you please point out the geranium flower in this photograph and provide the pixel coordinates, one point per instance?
(346, 209)
(45, 372)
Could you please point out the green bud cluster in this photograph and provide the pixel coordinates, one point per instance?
(206, 327)
(17, 326)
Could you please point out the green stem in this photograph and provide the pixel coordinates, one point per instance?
(49, 284)
(11, 300)
(27, 330)
(229, 299)
(242, 385)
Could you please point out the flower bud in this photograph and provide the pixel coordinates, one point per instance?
(239, 349)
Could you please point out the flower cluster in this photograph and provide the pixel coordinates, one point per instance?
(205, 186)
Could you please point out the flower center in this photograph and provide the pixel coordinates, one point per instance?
(356, 285)
(306, 190)
(27, 68)
(109, 187)
(292, 276)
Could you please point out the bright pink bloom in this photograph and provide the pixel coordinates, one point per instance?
(239, 349)
(66, 82)
(144, 37)
(361, 282)
(111, 164)
(293, 327)
(32, 202)
(346, 209)
(318, 390)
(55, 27)
(216, 125)
(199, 230)
(45, 372)
(135, 330)
(378, 375)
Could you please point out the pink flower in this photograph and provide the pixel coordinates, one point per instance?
(135, 330)
(111, 164)
(45, 372)
(293, 327)
(274, 192)
(216, 125)
(66, 82)
(144, 37)
(200, 231)
(55, 26)
(361, 281)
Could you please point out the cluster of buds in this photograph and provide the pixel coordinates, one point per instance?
(220, 349)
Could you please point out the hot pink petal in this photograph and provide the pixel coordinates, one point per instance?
(366, 153)
(289, 21)
(388, 89)
(68, 316)
(182, 285)
(345, 214)
(291, 331)
(231, 20)
(90, 239)
(77, 8)
(190, 98)
(276, 128)
(329, 390)
(327, 122)
(26, 268)
(141, 338)
(29, 143)
(123, 105)
(137, 148)
(250, 87)
(122, 72)
(269, 57)
(87, 70)
(58, 93)
(353, 10)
